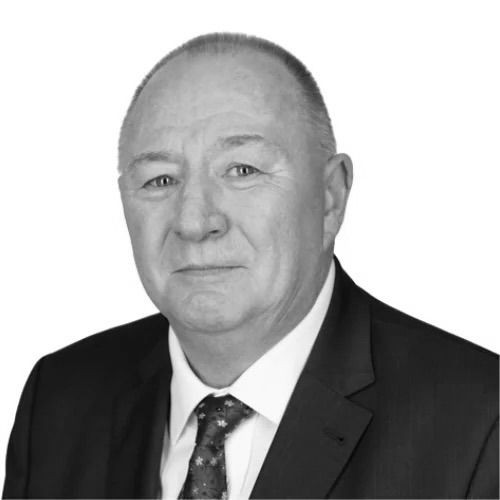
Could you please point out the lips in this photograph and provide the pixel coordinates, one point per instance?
(206, 268)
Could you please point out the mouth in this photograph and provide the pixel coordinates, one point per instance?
(206, 270)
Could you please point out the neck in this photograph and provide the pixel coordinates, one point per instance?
(219, 358)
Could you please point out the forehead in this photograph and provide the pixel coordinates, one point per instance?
(205, 96)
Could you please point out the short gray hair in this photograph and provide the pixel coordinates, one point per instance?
(221, 43)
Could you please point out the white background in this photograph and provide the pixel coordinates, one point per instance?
(413, 89)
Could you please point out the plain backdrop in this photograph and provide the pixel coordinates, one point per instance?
(413, 90)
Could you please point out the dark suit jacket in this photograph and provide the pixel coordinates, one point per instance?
(386, 407)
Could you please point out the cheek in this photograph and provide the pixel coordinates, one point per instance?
(272, 229)
(147, 227)
(291, 231)
(310, 213)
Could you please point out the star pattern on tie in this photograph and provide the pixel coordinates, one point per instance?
(217, 418)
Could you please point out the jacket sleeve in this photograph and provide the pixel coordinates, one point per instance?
(484, 481)
(18, 450)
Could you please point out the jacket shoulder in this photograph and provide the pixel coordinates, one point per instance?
(430, 352)
(129, 336)
(104, 356)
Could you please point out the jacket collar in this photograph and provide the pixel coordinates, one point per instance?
(341, 358)
(140, 414)
(321, 426)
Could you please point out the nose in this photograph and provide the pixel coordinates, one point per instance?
(198, 217)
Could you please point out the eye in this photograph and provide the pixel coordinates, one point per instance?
(242, 170)
(162, 181)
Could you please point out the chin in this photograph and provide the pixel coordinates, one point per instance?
(208, 311)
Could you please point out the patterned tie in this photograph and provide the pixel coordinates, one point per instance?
(217, 418)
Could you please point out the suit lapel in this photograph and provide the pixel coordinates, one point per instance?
(321, 426)
(140, 414)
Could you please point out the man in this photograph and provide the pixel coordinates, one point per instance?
(268, 373)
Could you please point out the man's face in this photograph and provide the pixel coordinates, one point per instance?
(223, 193)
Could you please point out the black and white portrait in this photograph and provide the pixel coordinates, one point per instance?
(250, 251)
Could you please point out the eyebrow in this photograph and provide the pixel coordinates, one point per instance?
(163, 155)
(234, 141)
(231, 141)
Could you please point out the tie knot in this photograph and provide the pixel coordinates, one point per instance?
(218, 417)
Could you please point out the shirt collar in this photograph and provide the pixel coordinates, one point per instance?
(286, 358)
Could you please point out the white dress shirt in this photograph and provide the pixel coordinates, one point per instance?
(266, 386)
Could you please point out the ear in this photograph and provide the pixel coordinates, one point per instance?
(337, 184)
